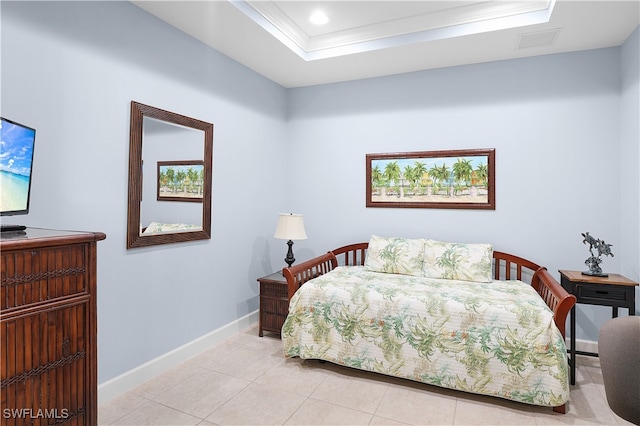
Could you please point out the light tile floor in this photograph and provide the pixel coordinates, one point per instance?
(246, 381)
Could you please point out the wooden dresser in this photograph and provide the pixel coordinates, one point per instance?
(48, 323)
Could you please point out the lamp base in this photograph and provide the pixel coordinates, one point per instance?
(290, 259)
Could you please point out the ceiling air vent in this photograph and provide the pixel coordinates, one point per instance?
(538, 39)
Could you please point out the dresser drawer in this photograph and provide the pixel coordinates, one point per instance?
(49, 365)
(34, 276)
(608, 294)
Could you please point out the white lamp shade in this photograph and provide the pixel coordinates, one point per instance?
(290, 227)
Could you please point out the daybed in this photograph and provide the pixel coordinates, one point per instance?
(460, 316)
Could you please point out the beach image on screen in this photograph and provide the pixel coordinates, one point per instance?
(16, 154)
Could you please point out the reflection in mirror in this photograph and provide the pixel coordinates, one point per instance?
(170, 161)
(162, 194)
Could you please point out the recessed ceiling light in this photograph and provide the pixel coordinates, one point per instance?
(319, 18)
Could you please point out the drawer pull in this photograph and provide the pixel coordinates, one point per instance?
(602, 292)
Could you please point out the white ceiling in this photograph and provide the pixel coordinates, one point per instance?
(375, 38)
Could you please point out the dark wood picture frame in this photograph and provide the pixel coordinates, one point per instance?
(187, 181)
(450, 179)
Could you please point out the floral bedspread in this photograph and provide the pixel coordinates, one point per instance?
(494, 338)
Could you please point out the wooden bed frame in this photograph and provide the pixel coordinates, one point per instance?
(506, 267)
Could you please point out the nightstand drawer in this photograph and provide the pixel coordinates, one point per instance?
(610, 293)
(274, 290)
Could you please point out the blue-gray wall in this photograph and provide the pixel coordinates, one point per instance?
(565, 129)
(70, 69)
(630, 159)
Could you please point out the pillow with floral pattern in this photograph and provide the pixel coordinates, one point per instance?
(395, 255)
(458, 261)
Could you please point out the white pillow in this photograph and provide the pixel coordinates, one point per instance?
(395, 255)
(458, 261)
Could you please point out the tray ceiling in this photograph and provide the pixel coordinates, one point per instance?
(364, 39)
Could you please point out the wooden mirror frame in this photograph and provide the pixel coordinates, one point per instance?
(134, 239)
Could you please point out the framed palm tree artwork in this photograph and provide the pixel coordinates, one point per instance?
(454, 179)
(181, 181)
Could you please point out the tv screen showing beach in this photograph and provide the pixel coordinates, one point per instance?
(16, 157)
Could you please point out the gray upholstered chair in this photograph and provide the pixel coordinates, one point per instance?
(619, 350)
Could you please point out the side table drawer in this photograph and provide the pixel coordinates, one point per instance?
(274, 290)
(273, 312)
(598, 293)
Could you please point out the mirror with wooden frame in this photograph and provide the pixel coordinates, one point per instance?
(170, 175)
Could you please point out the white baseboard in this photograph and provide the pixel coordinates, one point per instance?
(584, 345)
(135, 377)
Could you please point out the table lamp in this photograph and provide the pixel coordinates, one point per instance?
(290, 227)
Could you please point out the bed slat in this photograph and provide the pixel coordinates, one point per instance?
(305, 271)
(510, 263)
(352, 254)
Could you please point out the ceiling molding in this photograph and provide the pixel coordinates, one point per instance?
(455, 21)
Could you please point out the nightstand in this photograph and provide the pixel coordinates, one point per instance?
(274, 302)
(614, 290)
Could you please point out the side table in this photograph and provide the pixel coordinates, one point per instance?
(274, 302)
(614, 290)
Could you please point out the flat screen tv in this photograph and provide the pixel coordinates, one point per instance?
(16, 160)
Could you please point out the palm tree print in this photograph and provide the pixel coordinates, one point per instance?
(440, 175)
(463, 179)
(392, 176)
(482, 173)
(462, 173)
(184, 181)
(419, 170)
(377, 177)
